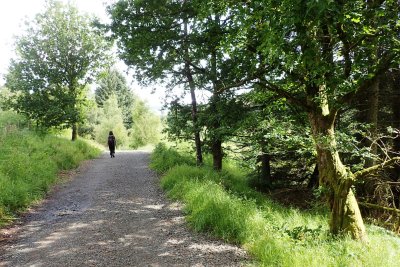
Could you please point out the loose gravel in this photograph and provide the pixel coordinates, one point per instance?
(112, 213)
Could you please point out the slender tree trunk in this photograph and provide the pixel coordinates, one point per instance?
(74, 131)
(265, 164)
(189, 76)
(217, 154)
(266, 169)
(314, 181)
(395, 173)
(372, 119)
(216, 142)
(396, 109)
(345, 213)
(197, 140)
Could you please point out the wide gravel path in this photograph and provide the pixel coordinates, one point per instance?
(112, 213)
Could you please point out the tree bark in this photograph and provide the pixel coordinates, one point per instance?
(396, 109)
(313, 182)
(345, 214)
(217, 154)
(395, 173)
(197, 140)
(189, 76)
(372, 119)
(266, 169)
(216, 142)
(74, 131)
(265, 160)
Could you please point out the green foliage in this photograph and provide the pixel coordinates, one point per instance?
(111, 119)
(147, 34)
(146, 126)
(11, 120)
(274, 235)
(57, 56)
(29, 165)
(112, 82)
(164, 158)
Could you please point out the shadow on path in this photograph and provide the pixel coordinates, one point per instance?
(113, 214)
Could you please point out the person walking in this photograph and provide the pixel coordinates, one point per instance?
(112, 143)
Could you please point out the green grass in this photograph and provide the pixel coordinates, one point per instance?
(29, 165)
(222, 204)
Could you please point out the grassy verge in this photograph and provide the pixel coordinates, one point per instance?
(223, 205)
(29, 165)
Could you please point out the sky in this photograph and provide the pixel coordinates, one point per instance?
(13, 13)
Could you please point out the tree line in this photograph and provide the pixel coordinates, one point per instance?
(285, 78)
(60, 54)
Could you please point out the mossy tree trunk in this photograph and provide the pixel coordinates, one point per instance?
(345, 214)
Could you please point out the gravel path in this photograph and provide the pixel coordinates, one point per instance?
(112, 213)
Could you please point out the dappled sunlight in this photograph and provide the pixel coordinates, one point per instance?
(138, 211)
(175, 206)
(154, 207)
(61, 253)
(212, 248)
(48, 241)
(78, 226)
(174, 241)
(120, 218)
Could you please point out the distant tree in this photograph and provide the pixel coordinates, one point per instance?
(91, 118)
(57, 56)
(154, 38)
(113, 82)
(146, 125)
(111, 119)
(181, 42)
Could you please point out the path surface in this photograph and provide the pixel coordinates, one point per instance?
(112, 214)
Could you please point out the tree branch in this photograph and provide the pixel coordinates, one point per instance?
(234, 85)
(383, 66)
(363, 173)
(283, 93)
(374, 206)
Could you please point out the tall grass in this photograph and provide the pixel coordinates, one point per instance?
(29, 164)
(223, 205)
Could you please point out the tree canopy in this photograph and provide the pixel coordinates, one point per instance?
(313, 56)
(59, 54)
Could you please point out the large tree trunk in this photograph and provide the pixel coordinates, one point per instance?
(345, 214)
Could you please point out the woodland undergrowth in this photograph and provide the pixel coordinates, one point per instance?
(223, 205)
